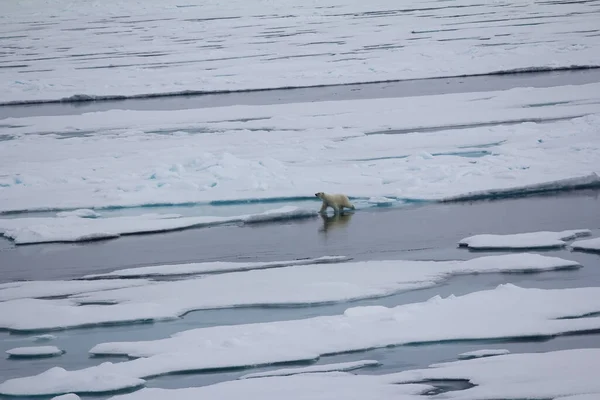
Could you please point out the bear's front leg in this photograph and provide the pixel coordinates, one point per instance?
(323, 208)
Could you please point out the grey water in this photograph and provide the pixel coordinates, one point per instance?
(420, 232)
(404, 88)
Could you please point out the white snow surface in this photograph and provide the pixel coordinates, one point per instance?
(37, 289)
(518, 376)
(324, 386)
(211, 267)
(82, 50)
(68, 396)
(529, 240)
(130, 158)
(483, 353)
(481, 315)
(310, 284)
(589, 244)
(347, 366)
(29, 230)
(35, 351)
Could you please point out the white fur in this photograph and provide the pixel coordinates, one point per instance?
(336, 201)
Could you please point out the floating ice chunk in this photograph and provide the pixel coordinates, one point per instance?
(347, 366)
(381, 201)
(483, 353)
(57, 380)
(517, 376)
(310, 284)
(81, 213)
(481, 315)
(589, 245)
(38, 289)
(74, 229)
(44, 338)
(530, 240)
(210, 267)
(35, 351)
(68, 396)
(319, 386)
(588, 181)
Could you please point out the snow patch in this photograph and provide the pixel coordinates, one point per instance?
(210, 268)
(589, 245)
(529, 240)
(35, 351)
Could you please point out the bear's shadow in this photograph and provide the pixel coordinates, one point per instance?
(335, 221)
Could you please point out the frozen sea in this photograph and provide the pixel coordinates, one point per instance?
(158, 224)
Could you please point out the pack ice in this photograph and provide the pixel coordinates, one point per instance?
(529, 240)
(307, 284)
(481, 315)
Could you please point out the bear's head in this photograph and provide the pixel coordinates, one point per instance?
(320, 195)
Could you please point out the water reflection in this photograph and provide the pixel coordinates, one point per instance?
(335, 221)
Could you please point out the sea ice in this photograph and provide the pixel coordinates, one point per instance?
(210, 268)
(39, 289)
(74, 229)
(529, 240)
(481, 315)
(82, 213)
(320, 386)
(590, 244)
(310, 284)
(35, 351)
(68, 396)
(347, 366)
(44, 338)
(134, 158)
(331, 42)
(517, 376)
(483, 353)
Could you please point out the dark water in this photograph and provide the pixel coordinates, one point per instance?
(406, 88)
(428, 232)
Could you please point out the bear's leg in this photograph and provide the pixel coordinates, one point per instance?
(336, 209)
(323, 208)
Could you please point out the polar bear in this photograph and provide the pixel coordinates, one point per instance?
(336, 201)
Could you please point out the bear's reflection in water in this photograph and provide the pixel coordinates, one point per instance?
(335, 221)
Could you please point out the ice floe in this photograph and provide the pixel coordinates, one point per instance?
(293, 44)
(216, 156)
(82, 213)
(482, 353)
(347, 366)
(589, 245)
(34, 351)
(549, 375)
(74, 229)
(529, 240)
(44, 338)
(310, 284)
(481, 315)
(39, 289)
(210, 268)
(68, 396)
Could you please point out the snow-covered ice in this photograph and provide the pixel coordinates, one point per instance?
(590, 244)
(483, 353)
(518, 376)
(82, 213)
(44, 338)
(347, 366)
(215, 156)
(68, 396)
(486, 314)
(35, 351)
(38, 289)
(323, 386)
(81, 51)
(29, 230)
(310, 284)
(529, 240)
(57, 380)
(210, 268)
